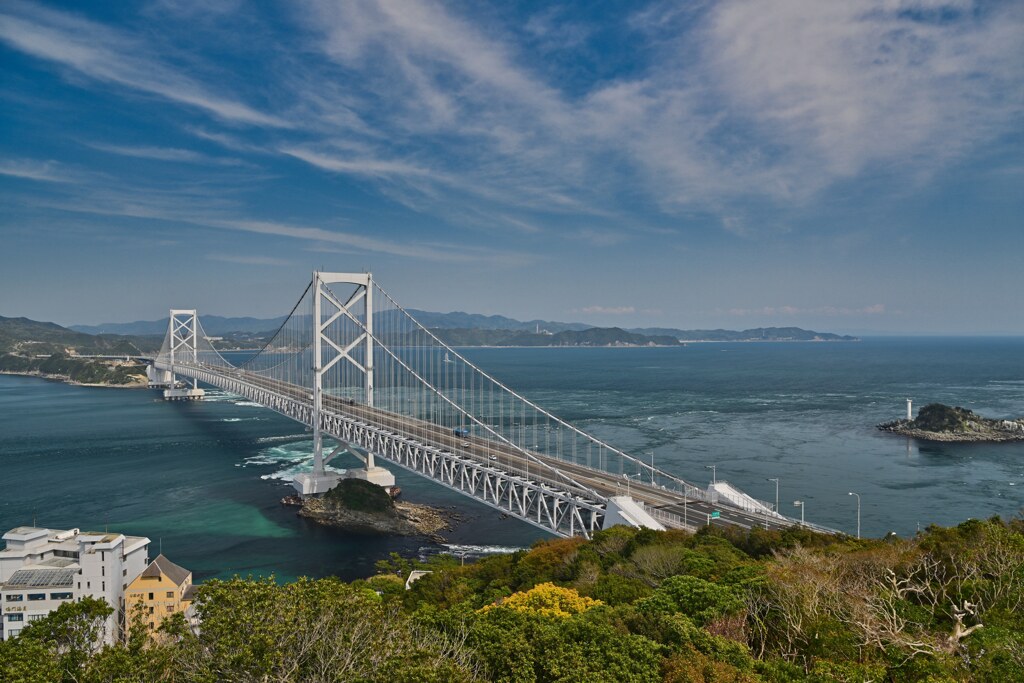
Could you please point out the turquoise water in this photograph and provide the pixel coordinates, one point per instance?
(204, 479)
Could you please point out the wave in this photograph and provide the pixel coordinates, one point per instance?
(287, 437)
(480, 550)
(291, 459)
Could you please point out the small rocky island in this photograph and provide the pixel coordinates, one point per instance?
(938, 422)
(361, 507)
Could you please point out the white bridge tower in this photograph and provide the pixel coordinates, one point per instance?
(183, 336)
(327, 309)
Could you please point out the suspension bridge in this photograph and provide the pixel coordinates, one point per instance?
(352, 365)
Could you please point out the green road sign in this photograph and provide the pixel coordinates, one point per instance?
(716, 514)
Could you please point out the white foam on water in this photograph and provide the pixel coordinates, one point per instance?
(276, 439)
(220, 396)
(457, 549)
(290, 459)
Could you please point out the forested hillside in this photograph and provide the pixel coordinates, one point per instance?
(629, 606)
(32, 338)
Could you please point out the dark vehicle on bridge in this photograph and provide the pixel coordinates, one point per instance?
(460, 431)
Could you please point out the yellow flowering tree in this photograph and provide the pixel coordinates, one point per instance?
(547, 599)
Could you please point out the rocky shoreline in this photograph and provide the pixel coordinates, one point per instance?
(356, 508)
(937, 422)
(142, 383)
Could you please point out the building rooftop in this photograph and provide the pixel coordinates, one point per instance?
(25, 533)
(41, 578)
(162, 566)
(55, 562)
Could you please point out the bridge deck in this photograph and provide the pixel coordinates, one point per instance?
(671, 508)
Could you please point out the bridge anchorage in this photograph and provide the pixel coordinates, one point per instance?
(352, 365)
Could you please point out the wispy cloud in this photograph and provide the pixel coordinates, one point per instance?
(357, 166)
(29, 169)
(108, 56)
(162, 154)
(735, 102)
(205, 207)
(249, 260)
(726, 106)
(837, 87)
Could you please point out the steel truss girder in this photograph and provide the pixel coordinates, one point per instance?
(540, 504)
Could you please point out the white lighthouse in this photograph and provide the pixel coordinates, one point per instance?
(910, 409)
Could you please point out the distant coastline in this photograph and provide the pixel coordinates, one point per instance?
(682, 344)
(65, 379)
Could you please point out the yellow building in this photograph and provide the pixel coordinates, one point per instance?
(162, 589)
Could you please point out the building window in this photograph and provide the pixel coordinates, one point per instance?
(15, 597)
(103, 570)
(14, 631)
(124, 572)
(60, 596)
(150, 596)
(37, 596)
(170, 594)
(36, 617)
(169, 608)
(103, 586)
(18, 616)
(150, 610)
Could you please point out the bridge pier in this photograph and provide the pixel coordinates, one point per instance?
(314, 484)
(375, 475)
(320, 480)
(184, 394)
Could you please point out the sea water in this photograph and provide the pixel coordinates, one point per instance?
(203, 480)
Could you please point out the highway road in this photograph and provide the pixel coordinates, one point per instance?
(492, 452)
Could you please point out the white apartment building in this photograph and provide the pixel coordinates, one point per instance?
(42, 568)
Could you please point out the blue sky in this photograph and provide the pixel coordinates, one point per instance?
(843, 166)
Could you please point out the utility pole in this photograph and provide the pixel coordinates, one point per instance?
(851, 493)
(776, 480)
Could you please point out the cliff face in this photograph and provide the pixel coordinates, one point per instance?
(938, 422)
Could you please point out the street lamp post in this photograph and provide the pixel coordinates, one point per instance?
(686, 523)
(776, 480)
(800, 504)
(851, 493)
(628, 478)
(714, 479)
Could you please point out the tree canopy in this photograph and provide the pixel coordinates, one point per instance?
(629, 605)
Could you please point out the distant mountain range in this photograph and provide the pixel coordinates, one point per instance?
(466, 329)
(213, 324)
(32, 338)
